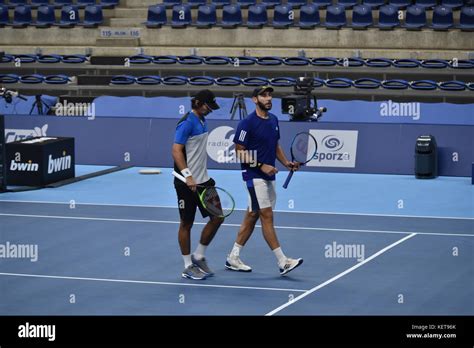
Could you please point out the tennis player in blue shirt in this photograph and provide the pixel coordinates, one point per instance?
(257, 148)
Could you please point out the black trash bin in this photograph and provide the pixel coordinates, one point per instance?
(426, 157)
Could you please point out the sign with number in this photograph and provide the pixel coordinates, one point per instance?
(106, 32)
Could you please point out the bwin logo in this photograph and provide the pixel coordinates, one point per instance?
(332, 143)
(59, 164)
(24, 167)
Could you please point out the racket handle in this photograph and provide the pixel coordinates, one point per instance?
(178, 176)
(288, 179)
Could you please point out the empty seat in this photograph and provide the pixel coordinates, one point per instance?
(231, 16)
(388, 17)
(4, 16)
(108, 3)
(156, 16)
(322, 3)
(84, 3)
(466, 20)
(335, 17)
(426, 4)
(297, 3)
(181, 16)
(37, 3)
(171, 3)
(454, 4)
(309, 16)
(442, 18)
(93, 16)
(400, 4)
(270, 3)
(22, 16)
(45, 16)
(196, 3)
(283, 16)
(362, 17)
(61, 3)
(374, 3)
(347, 3)
(246, 3)
(221, 3)
(257, 16)
(415, 17)
(206, 17)
(69, 16)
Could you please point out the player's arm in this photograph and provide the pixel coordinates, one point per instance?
(178, 157)
(280, 154)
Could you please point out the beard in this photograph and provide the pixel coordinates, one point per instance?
(266, 107)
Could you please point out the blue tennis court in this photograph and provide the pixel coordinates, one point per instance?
(371, 244)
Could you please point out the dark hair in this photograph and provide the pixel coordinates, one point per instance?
(195, 104)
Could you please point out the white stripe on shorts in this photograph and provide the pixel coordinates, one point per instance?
(265, 192)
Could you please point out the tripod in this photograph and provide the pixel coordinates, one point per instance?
(39, 105)
(239, 104)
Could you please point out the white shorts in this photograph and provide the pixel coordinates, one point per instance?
(262, 194)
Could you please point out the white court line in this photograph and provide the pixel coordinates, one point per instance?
(277, 211)
(235, 225)
(333, 279)
(147, 282)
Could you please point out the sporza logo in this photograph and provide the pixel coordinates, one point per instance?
(21, 134)
(336, 148)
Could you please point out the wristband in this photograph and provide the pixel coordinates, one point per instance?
(259, 165)
(186, 172)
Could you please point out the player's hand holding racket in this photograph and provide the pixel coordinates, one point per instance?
(217, 201)
(303, 148)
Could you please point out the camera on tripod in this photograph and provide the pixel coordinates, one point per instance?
(9, 94)
(302, 104)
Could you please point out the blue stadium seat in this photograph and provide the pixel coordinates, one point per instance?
(201, 81)
(452, 85)
(175, 80)
(9, 78)
(196, 3)
(218, 60)
(297, 3)
(246, 3)
(297, 61)
(140, 59)
(206, 17)
(348, 4)
(37, 3)
(338, 82)
(454, 4)
(335, 17)
(351, 62)
(156, 16)
(165, 60)
(269, 61)
(378, 62)
(406, 63)
(15, 3)
(108, 3)
(400, 4)
(283, 16)
(69, 16)
(424, 85)
(171, 3)
(93, 16)
(470, 85)
(190, 60)
(26, 58)
(45, 16)
(221, 3)
(231, 16)
(374, 3)
(442, 18)
(466, 20)
(462, 64)
(31, 79)
(4, 16)
(322, 3)
(61, 3)
(246, 60)
(57, 79)
(367, 83)
(415, 17)
(228, 81)
(84, 3)
(362, 17)
(257, 16)
(395, 84)
(255, 81)
(324, 61)
(74, 59)
(434, 63)
(309, 16)
(181, 16)
(270, 3)
(123, 80)
(283, 81)
(21, 16)
(49, 58)
(388, 17)
(426, 4)
(148, 80)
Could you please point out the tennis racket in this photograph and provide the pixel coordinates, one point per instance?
(303, 148)
(217, 201)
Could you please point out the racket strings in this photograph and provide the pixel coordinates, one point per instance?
(303, 148)
(218, 202)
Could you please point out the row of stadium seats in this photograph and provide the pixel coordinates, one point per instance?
(247, 60)
(46, 17)
(323, 3)
(60, 3)
(339, 82)
(283, 17)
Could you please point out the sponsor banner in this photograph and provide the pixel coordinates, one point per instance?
(336, 148)
(366, 147)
